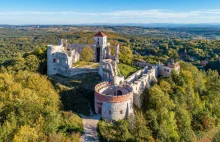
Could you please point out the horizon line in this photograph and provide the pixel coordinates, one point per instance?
(106, 24)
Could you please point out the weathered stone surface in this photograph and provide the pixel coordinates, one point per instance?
(117, 104)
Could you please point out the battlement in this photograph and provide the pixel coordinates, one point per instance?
(105, 91)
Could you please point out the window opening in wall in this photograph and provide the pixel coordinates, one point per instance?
(119, 92)
(54, 60)
(109, 112)
(121, 112)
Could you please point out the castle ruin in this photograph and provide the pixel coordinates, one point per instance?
(115, 95)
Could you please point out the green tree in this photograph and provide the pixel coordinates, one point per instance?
(87, 54)
(29, 96)
(32, 63)
(184, 124)
(140, 131)
(173, 53)
(26, 134)
(125, 55)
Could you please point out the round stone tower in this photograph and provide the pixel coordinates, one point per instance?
(113, 102)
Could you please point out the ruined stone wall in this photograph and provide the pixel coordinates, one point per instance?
(108, 70)
(51, 58)
(118, 80)
(165, 71)
(135, 76)
(60, 60)
(75, 71)
(140, 81)
(141, 64)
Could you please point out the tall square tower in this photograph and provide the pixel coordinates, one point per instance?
(100, 41)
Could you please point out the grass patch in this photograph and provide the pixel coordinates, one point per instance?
(83, 64)
(126, 70)
(77, 93)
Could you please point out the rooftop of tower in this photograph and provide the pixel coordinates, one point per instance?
(100, 34)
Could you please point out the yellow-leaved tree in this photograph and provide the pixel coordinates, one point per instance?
(87, 54)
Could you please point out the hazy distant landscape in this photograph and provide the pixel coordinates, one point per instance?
(182, 31)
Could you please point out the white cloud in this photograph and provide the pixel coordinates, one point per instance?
(127, 16)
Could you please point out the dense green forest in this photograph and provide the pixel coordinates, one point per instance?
(182, 107)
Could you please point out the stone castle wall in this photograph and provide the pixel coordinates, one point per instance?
(167, 70)
(117, 111)
(140, 81)
(75, 71)
(113, 107)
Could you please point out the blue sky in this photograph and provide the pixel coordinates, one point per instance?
(108, 11)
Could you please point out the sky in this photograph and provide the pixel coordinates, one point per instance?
(22, 12)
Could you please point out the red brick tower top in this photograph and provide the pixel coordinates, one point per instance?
(100, 34)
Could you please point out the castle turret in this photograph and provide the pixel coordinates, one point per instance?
(100, 41)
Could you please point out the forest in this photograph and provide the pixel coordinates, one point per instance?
(182, 107)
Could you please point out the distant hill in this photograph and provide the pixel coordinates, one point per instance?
(150, 25)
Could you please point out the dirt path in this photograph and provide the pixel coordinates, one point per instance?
(90, 126)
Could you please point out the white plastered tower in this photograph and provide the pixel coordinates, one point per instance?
(100, 41)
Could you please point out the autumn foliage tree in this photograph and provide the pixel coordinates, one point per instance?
(30, 109)
(87, 54)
